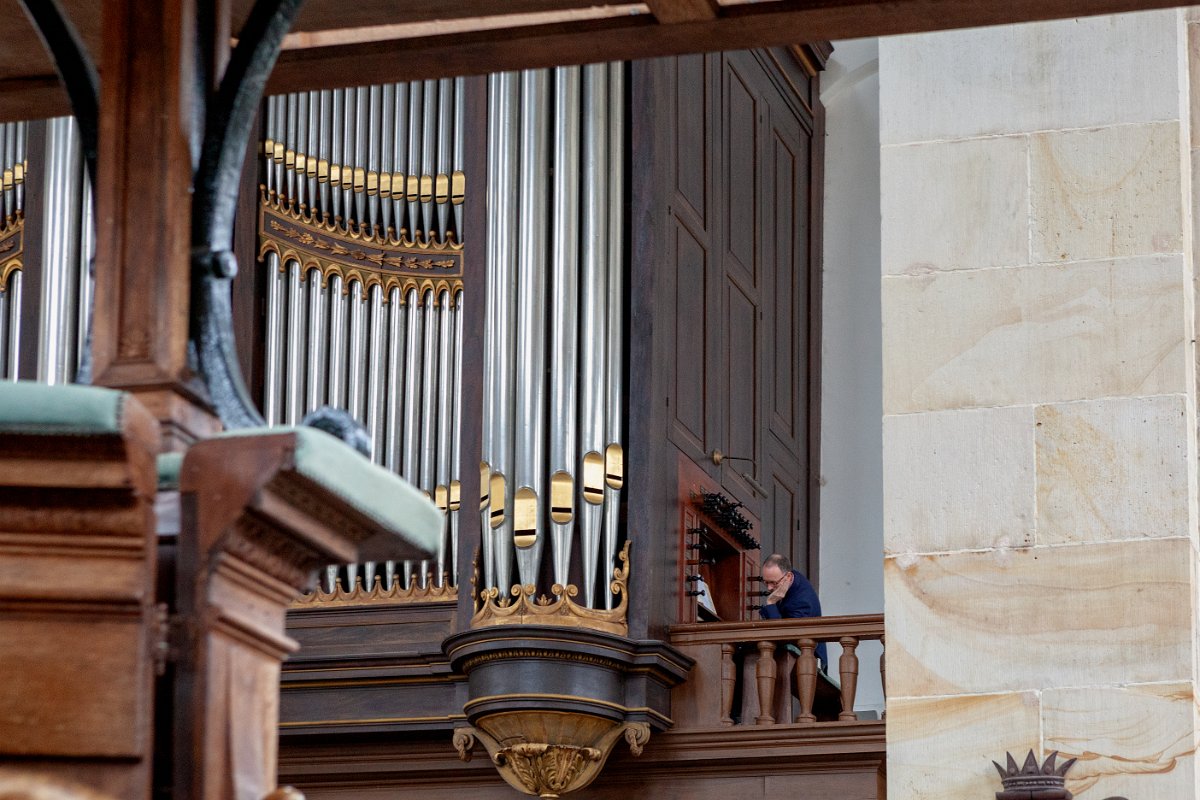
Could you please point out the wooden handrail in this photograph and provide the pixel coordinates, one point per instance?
(821, 629)
(713, 646)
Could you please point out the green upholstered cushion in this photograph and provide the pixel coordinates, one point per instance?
(379, 494)
(168, 471)
(36, 408)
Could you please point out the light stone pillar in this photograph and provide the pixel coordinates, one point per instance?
(1039, 405)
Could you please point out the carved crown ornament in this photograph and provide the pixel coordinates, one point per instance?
(1034, 781)
(522, 606)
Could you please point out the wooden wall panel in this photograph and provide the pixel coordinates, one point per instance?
(691, 355)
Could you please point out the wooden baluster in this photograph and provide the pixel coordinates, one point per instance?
(848, 667)
(728, 682)
(806, 679)
(765, 673)
(883, 676)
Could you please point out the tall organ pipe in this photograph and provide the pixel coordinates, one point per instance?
(459, 158)
(395, 393)
(428, 158)
(272, 402)
(337, 342)
(564, 318)
(614, 455)
(375, 120)
(387, 136)
(14, 324)
(349, 154)
(416, 105)
(337, 150)
(529, 465)
(456, 437)
(62, 187)
(429, 409)
(314, 346)
(445, 135)
(324, 150)
(289, 103)
(302, 148)
(593, 360)
(356, 338)
(413, 352)
(362, 130)
(294, 395)
(400, 161)
(488, 425)
(87, 247)
(445, 385)
(505, 353)
(377, 346)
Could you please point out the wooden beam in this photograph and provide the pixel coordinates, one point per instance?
(143, 211)
(629, 37)
(669, 12)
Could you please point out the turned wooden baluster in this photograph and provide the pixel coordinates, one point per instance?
(806, 679)
(848, 667)
(728, 683)
(883, 676)
(765, 673)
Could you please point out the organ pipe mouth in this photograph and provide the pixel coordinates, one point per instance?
(562, 497)
(525, 517)
(593, 478)
(614, 466)
(496, 500)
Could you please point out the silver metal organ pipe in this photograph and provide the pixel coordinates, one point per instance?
(429, 158)
(387, 136)
(400, 161)
(21, 130)
(564, 464)
(416, 105)
(61, 184)
(294, 394)
(395, 393)
(312, 149)
(374, 134)
(318, 311)
(273, 386)
(349, 118)
(300, 144)
(501, 282)
(377, 346)
(7, 204)
(459, 158)
(429, 410)
(278, 134)
(337, 152)
(488, 428)
(357, 341)
(395, 378)
(324, 136)
(445, 135)
(414, 338)
(594, 240)
(4, 325)
(337, 341)
(290, 152)
(456, 498)
(268, 150)
(614, 454)
(362, 131)
(445, 385)
(529, 472)
(14, 325)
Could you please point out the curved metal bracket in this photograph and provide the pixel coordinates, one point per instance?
(227, 130)
(76, 69)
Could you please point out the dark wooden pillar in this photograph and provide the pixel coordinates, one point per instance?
(143, 211)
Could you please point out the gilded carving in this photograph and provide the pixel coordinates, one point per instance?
(528, 609)
(12, 249)
(552, 769)
(373, 258)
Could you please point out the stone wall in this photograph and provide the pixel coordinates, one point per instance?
(1039, 463)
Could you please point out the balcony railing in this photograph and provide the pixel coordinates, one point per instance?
(707, 699)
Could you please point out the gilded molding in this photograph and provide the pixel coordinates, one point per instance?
(527, 609)
(12, 248)
(555, 655)
(372, 258)
(377, 595)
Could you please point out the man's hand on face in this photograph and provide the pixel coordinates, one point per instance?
(780, 589)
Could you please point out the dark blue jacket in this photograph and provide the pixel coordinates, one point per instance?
(800, 601)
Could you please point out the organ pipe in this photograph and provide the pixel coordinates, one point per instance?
(614, 467)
